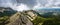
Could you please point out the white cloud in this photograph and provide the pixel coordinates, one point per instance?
(21, 7)
(48, 3)
(27, 4)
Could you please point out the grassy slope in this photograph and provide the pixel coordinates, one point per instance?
(4, 17)
(46, 21)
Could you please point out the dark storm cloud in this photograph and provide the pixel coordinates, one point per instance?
(29, 3)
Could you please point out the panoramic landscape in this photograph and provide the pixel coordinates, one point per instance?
(29, 12)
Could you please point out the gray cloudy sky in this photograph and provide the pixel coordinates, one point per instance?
(29, 3)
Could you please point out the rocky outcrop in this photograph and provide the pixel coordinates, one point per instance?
(17, 18)
(22, 18)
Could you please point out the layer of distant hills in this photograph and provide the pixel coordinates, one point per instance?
(48, 11)
(6, 11)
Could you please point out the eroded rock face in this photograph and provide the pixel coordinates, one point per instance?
(23, 18)
(32, 15)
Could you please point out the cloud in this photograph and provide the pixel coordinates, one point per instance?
(22, 7)
(7, 3)
(48, 3)
(29, 4)
(17, 3)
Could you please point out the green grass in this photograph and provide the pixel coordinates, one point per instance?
(4, 20)
(46, 21)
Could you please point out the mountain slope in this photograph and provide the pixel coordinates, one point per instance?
(21, 18)
(29, 17)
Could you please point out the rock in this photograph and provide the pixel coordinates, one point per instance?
(23, 18)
